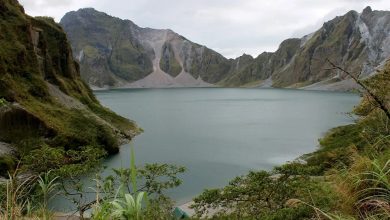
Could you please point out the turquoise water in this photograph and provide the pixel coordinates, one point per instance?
(220, 133)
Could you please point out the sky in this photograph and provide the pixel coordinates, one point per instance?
(231, 27)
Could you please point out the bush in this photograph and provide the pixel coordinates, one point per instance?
(7, 164)
(3, 102)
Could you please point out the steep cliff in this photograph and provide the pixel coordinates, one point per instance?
(339, 40)
(117, 53)
(106, 48)
(44, 100)
(263, 66)
(357, 41)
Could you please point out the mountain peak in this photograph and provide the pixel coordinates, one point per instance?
(91, 11)
(88, 9)
(367, 10)
(86, 12)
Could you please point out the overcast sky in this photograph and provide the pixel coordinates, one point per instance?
(231, 27)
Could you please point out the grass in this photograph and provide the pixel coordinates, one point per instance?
(374, 189)
(16, 196)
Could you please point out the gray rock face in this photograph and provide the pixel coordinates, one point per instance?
(374, 28)
(359, 42)
(107, 48)
(117, 53)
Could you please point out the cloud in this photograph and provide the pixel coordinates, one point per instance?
(231, 27)
(53, 8)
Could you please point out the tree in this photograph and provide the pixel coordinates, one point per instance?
(381, 102)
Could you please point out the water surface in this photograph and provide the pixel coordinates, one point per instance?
(220, 133)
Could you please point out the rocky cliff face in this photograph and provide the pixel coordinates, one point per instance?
(339, 40)
(356, 41)
(43, 98)
(118, 53)
(257, 70)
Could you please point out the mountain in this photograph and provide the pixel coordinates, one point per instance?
(264, 66)
(43, 100)
(359, 42)
(117, 53)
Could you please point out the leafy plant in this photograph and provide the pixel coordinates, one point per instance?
(102, 211)
(124, 204)
(48, 187)
(127, 207)
(3, 102)
(320, 213)
(256, 195)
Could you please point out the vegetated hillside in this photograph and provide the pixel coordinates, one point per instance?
(346, 178)
(264, 66)
(118, 53)
(43, 99)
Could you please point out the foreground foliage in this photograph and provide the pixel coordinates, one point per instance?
(129, 193)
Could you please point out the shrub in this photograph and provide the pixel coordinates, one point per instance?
(3, 102)
(7, 164)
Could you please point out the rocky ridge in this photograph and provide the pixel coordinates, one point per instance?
(118, 53)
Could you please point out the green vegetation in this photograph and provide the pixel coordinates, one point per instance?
(209, 65)
(15, 197)
(7, 162)
(336, 40)
(264, 65)
(51, 104)
(62, 143)
(254, 71)
(124, 205)
(266, 195)
(3, 102)
(128, 62)
(47, 187)
(129, 193)
(346, 178)
(168, 62)
(109, 48)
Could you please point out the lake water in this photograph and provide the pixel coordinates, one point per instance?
(220, 133)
